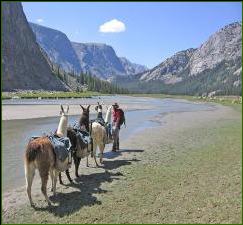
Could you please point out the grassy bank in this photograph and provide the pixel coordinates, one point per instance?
(49, 95)
(225, 100)
(232, 101)
(198, 180)
(190, 175)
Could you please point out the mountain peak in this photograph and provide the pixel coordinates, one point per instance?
(101, 60)
(57, 46)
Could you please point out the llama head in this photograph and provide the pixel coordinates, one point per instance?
(85, 110)
(64, 112)
(98, 108)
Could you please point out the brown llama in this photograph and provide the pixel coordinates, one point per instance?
(40, 155)
(82, 150)
(79, 149)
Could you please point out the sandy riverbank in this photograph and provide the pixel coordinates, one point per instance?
(123, 192)
(11, 112)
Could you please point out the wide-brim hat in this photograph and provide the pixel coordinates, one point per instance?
(115, 105)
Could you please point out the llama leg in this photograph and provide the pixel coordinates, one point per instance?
(52, 179)
(29, 176)
(94, 153)
(56, 173)
(44, 179)
(68, 176)
(60, 178)
(76, 162)
(87, 161)
(101, 147)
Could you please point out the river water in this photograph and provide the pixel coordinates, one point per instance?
(16, 133)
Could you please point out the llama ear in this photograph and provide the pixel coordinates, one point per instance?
(82, 107)
(67, 109)
(62, 109)
(88, 107)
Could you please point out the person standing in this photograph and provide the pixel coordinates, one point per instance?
(116, 118)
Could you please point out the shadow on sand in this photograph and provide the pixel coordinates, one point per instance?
(86, 186)
(112, 155)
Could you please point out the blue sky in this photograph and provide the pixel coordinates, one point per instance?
(145, 33)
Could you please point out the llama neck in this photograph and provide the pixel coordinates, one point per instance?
(108, 115)
(62, 127)
(84, 122)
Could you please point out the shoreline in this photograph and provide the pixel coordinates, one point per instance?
(16, 112)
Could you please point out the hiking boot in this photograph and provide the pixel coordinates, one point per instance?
(114, 149)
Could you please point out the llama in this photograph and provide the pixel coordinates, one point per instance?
(79, 149)
(99, 136)
(40, 155)
(83, 150)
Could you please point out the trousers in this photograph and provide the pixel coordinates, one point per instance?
(115, 134)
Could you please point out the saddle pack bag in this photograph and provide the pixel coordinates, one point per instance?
(84, 142)
(83, 136)
(61, 147)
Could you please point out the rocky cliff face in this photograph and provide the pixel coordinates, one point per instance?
(58, 47)
(102, 61)
(132, 68)
(98, 59)
(24, 66)
(94, 58)
(224, 45)
(169, 70)
(220, 56)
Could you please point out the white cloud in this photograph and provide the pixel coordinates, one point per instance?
(112, 26)
(39, 20)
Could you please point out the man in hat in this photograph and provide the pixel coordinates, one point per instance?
(116, 117)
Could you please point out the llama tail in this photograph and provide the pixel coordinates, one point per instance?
(32, 151)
